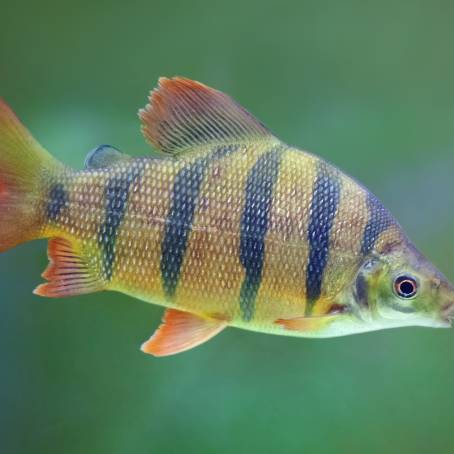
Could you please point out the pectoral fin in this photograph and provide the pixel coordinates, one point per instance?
(307, 323)
(180, 331)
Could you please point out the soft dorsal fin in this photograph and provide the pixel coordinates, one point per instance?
(104, 156)
(181, 331)
(183, 114)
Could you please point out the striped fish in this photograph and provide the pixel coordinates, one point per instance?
(227, 226)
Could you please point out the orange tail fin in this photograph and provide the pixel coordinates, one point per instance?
(23, 162)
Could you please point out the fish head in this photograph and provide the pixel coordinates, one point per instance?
(400, 287)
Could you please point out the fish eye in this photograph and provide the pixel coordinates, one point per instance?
(405, 287)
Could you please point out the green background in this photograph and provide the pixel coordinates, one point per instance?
(367, 85)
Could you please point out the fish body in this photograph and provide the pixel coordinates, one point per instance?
(229, 226)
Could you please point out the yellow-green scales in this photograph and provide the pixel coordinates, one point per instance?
(229, 224)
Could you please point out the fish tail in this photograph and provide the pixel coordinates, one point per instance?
(24, 165)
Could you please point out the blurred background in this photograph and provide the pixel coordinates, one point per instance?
(367, 85)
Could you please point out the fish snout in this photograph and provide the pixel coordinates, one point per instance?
(446, 297)
(448, 312)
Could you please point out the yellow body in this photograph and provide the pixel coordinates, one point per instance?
(228, 227)
(212, 273)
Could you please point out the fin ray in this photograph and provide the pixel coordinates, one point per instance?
(309, 323)
(183, 114)
(181, 331)
(23, 161)
(67, 273)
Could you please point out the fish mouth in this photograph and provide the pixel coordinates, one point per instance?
(447, 313)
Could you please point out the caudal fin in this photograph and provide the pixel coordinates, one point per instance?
(23, 164)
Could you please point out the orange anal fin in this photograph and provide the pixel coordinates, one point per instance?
(67, 273)
(180, 331)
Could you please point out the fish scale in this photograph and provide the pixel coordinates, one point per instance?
(229, 226)
(197, 289)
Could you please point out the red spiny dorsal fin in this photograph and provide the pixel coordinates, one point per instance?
(184, 114)
(67, 273)
(180, 331)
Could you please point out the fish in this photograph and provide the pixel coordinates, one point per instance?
(224, 225)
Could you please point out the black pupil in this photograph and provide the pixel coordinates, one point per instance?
(406, 287)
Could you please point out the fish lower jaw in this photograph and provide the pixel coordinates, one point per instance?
(346, 327)
(358, 327)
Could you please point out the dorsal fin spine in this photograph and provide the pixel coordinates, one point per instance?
(183, 114)
(186, 107)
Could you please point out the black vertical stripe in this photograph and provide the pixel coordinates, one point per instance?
(186, 189)
(58, 199)
(324, 205)
(379, 220)
(254, 225)
(185, 193)
(116, 195)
